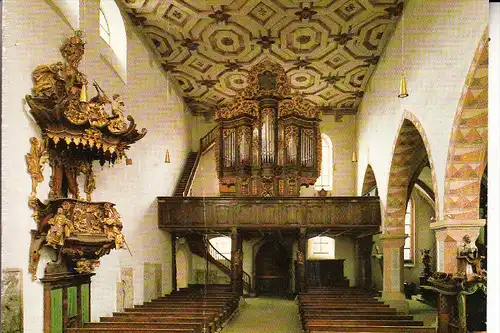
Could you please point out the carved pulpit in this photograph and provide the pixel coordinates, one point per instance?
(75, 133)
(269, 142)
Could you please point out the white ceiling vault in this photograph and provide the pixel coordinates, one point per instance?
(329, 48)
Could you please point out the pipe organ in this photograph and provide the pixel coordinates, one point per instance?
(269, 142)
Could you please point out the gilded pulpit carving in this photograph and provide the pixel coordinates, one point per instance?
(75, 132)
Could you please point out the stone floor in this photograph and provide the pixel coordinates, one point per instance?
(422, 311)
(260, 315)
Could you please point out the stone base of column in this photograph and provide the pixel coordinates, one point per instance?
(396, 300)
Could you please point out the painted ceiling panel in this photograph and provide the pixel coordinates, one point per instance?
(329, 48)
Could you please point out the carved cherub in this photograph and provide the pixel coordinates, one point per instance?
(117, 124)
(113, 226)
(61, 227)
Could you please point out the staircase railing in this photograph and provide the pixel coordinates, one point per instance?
(214, 253)
(208, 139)
(205, 143)
(192, 173)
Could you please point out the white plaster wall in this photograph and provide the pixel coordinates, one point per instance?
(206, 181)
(199, 129)
(440, 37)
(343, 136)
(345, 248)
(32, 35)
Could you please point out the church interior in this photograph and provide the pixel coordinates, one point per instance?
(245, 166)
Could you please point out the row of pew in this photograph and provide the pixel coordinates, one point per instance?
(344, 309)
(189, 310)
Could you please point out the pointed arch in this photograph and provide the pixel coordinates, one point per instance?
(411, 153)
(369, 181)
(467, 154)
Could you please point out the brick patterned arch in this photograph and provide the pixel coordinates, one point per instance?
(411, 150)
(369, 181)
(467, 154)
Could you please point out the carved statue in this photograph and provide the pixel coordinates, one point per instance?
(113, 227)
(117, 123)
(61, 227)
(468, 252)
(426, 260)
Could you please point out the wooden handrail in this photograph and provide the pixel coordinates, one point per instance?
(212, 251)
(208, 139)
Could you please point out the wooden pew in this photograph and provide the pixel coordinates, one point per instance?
(191, 310)
(352, 310)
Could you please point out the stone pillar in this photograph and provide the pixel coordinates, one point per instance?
(174, 260)
(392, 294)
(301, 261)
(449, 234)
(236, 261)
(364, 251)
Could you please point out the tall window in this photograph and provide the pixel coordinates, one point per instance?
(322, 245)
(223, 245)
(409, 248)
(104, 27)
(325, 179)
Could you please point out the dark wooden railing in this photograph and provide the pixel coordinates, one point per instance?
(214, 253)
(189, 213)
(208, 139)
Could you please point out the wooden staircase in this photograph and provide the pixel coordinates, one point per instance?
(201, 247)
(184, 182)
(197, 309)
(352, 310)
(189, 170)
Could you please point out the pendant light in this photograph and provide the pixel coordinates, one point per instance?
(403, 91)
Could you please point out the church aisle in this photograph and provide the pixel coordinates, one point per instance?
(261, 315)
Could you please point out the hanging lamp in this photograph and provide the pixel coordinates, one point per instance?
(403, 90)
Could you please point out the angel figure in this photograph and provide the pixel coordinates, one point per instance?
(61, 227)
(117, 120)
(113, 227)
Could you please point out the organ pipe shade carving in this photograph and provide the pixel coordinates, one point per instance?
(269, 140)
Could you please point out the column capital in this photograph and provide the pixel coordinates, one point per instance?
(393, 240)
(456, 229)
(457, 224)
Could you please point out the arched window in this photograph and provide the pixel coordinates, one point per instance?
(104, 27)
(223, 245)
(321, 247)
(70, 11)
(325, 180)
(112, 30)
(409, 248)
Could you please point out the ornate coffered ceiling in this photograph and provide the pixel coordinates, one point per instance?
(329, 48)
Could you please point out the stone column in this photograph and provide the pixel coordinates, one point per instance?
(236, 261)
(449, 235)
(364, 251)
(392, 245)
(301, 261)
(174, 260)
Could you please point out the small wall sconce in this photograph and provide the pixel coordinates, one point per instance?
(354, 156)
(167, 157)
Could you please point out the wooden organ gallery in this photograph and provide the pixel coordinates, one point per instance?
(267, 146)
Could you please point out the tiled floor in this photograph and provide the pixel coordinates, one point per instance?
(262, 315)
